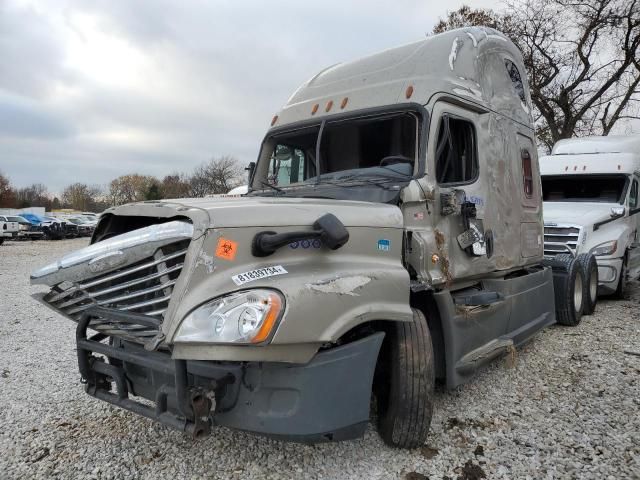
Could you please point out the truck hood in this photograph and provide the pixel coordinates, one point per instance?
(577, 213)
(230, 212)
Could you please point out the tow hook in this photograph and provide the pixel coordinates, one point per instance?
(201, 403)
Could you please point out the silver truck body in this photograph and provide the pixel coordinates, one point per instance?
(461, 242)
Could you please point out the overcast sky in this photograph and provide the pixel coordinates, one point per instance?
(93, 90)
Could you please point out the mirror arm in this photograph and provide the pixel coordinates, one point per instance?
(327, 228)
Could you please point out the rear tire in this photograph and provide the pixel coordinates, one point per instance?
(622, 281)
(590, 269)
(569, 289)
(404, 386)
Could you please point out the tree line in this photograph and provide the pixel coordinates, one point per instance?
(218, 175)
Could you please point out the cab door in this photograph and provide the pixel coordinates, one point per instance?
(461, 193)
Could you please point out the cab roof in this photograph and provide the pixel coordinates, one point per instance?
(589, 164)
(597, 144)
(467, 63)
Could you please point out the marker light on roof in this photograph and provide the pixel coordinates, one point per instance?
(274, 120)
(409, 92)
(345, 100)
(314, 109)
(329, 105)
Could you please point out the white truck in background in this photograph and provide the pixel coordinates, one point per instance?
(8, 230)
(590, 193)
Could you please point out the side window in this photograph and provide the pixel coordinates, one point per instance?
(516, 79)
(287, 165)
(456, 158)
(633, 195)
(527, 173)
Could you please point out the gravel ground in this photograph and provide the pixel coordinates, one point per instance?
(564, 406)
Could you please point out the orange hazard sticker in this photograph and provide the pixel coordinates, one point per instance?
(226, 249)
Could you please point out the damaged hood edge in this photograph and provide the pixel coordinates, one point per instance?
(111, 253)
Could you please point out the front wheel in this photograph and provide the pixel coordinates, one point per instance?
(569, 286)
(590, 268)
(404, 385)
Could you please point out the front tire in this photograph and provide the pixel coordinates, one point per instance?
(569, 289)
(590, 269)
(404, 386)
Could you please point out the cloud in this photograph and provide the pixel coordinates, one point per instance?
(93, 90)
(24, 118)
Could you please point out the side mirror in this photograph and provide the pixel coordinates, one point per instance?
(250, 168)
(617, 212)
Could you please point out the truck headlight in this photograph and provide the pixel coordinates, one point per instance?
(247, 317)
(606, 248)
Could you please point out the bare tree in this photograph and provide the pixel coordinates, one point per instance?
(129, 188)
(218, 175)
(582, 59)
(465, 16)
(7, 193)
(175, 185)
(80, 196)
(35, 195)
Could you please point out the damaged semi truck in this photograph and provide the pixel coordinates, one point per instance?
(391, 236)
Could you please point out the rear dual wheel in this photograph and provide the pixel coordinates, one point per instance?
(404, 383)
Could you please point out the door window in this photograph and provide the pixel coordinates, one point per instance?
(456, 158)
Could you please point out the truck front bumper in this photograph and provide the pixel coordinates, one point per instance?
(608, 274)
(326, 399)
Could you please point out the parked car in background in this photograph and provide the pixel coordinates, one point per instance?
(27, 229)
(85, 226)
(8, 230)
(53, 228)
(591, 204)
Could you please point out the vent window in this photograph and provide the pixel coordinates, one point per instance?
(516, 79)
(633, 196)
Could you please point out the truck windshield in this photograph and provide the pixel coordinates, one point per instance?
(367, 151)
(583, 188)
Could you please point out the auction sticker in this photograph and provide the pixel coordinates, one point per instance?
(258, 274)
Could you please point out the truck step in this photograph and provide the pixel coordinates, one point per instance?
(472, 360)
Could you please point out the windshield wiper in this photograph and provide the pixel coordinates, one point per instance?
(267, 184)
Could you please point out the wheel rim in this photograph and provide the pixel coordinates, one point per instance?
(577, 293)
(593, 285)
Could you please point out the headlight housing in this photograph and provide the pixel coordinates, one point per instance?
(606, 248)
(247, 317)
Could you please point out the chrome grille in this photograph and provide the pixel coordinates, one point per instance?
(143, 287)
(558, 237)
